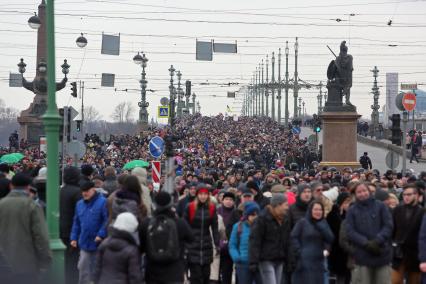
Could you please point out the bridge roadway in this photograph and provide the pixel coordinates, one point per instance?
(377, 155)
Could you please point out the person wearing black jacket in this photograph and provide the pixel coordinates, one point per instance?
(173, 272)
(269, 240)
(407, 219)
(69, 195)
(258, 196)
(202, 217)
(303, 199)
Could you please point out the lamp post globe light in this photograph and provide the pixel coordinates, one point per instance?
(81, 41)
(34, 22)
(143, 104)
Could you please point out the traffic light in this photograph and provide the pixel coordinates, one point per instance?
(396, 129)
(317, 125)
(74, 89)
(78, 127)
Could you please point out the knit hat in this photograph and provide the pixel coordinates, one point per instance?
(87, 170)
(126, 222)
(381, 195)
(278, 199)
(301, 188)
(21, 180)
(202, 188)
(252, 185)
(229, 195)
(342, 197)
(246, 191)
(163, 201)
(87, 185)
(278, 188)
(332, 193)
(250, 208)
(42, 174)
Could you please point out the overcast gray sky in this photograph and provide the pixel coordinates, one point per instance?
(167, 31)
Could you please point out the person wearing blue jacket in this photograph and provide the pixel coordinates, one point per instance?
(239, 245)
(89, 229)
(369, 228)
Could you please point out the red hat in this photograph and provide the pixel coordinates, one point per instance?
(203, 189)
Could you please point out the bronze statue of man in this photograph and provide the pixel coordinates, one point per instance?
(344, 64)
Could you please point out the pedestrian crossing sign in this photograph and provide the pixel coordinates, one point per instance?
(163, 112)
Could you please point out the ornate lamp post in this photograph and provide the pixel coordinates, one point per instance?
(286, 83)
(375, 106)
(279, 89)
(266, 89)
(193, 103)
(179, 94)
(296, 79)
(143, 104)
(273, 88)
(81, 41)
(172, 97)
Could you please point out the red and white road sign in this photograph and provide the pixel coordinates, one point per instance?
(156, 171)
(409, 101)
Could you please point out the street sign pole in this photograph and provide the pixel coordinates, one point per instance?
(404, 146)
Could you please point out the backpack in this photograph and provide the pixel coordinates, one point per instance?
(192, 208)
(162, 240)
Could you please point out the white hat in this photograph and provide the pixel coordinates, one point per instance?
(126, 222)
(331, 194)
(42, 173)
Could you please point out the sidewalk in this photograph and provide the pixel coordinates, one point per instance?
(385, 144)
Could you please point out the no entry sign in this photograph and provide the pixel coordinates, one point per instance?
(409, 101)
(156, 171)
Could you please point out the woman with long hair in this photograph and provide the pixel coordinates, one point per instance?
(311, 240)
(202, 217)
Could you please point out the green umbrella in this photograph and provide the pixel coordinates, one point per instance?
(11, 158)
(135, 164)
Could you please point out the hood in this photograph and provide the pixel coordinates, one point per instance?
(141, 174)
(119, 240)
(72, 176)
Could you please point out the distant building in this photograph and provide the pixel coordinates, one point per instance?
(421, 102)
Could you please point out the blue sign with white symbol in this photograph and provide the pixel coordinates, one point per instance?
(296, 130)
(156, 146)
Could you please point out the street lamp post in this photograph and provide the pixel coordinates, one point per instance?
(179, 94)
(259, 92)
(296, 83)
(279, 89)
(300, 107)
(273, 86)
(193, 103)
(375, 107)
(319, 98)
(256, 93)
(286, 83)
(52, 122)
(304, 110)
(266, 88)
(143, 104)
(172, 97)
(187, 97)
(262, 92)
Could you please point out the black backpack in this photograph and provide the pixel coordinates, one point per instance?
(162, 240)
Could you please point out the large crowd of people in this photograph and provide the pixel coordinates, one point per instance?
(250, 204)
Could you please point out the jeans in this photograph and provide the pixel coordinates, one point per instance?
(226, 268)
(86, 266)
(245, 276)
(370, 275)
(271, 271)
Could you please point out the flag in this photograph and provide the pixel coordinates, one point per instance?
(228, 109)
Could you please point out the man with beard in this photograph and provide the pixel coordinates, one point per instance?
(407, 221)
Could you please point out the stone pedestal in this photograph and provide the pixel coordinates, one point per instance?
(339, 139)
(30, 121)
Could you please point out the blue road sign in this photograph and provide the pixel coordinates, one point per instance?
(163, 112)
(156, 146)
(296, 130)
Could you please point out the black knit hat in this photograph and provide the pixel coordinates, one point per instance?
(87, 170)
(252, 185)
(21, 180)
(163, 201)
(229, 195)
(85, 186)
